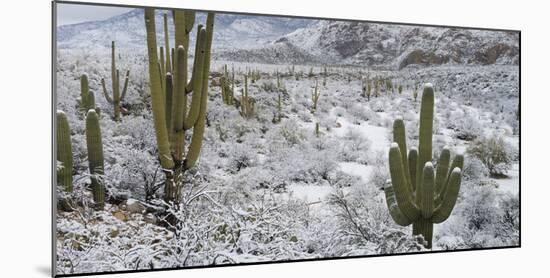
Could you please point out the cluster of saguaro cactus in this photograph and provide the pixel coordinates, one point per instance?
(315, 94)
(254, 75)
(87, 98)
(118, 96)
(366, 87)
(64, 152)
(173, 116)
(420, 195)
(248, 104)
(227, 87)
(95, 158)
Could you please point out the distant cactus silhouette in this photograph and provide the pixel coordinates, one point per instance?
(117, 97)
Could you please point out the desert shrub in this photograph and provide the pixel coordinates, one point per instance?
(474, 169)
(291, 132)
(365, 227)
(355, 147)
(468, 128)
(483, 217)
(494, 153)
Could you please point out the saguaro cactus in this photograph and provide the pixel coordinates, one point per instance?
(64, 152)
(117, 97)
(419, 195)
(315, 97)
(87, 98)
(227, 88)
(95, 158)
(247, 103)
(170, 127)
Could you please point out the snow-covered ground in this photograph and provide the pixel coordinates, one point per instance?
(264, 190)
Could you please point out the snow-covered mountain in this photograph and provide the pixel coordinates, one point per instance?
(128, 30)
(399, 46)
(270, 39)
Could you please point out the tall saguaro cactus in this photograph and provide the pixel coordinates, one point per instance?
(64, 152)
(117, 97)
(421, 195)
(315, 97)
(95, 158)
(247, 103)
(87, 97)
(170, 127)
(227, 87)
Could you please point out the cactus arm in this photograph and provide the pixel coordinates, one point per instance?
(395, 213)
(91, 100)
(179, 17)
(403, 194)
(425, 131)
(458, 162)
(113, 70)
(168, 66)
(168, 94)
(198, 131)
(191, 119)
(64, 152)
(162, 62)
(84, 91)
(412, 158)
(179, 105)
(95, 157)
(189, 21)
(125, 88)
(105, 93)
(425, 192)
(190, 85)
(443, 211)
(156, 93)
(442, 171)
(400, 138)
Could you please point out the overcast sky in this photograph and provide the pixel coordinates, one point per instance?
(71, 13)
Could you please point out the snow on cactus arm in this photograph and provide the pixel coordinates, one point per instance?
(399, 183)
(393, 208)
(449, 200)
(64, 152)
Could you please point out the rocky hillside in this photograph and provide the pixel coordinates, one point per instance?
(398, 46)
(269, 39)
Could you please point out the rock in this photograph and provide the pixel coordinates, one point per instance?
(338, 125)
(150, 218)
(134, 206)
(120, 215)
(114, 232)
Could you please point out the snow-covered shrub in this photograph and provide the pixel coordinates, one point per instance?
(365, 227)
(467, 128)
(494, 152)
(354, 147)
(340, 179)
(483, 217)
(241, 156)
(359, 113)
(291, 132)
(474, 169)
